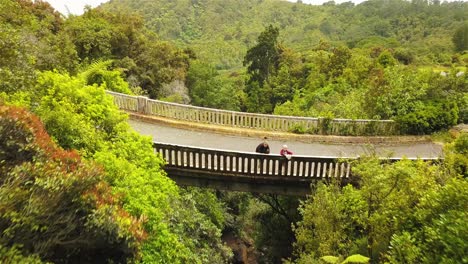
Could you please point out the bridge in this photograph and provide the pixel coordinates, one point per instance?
(240, 170)
(252, 172)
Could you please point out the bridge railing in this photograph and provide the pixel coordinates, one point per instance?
(251, 164)
(324, 126)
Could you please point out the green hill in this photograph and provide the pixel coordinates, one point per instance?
(221, 31)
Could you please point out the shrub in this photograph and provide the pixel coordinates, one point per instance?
(371, 128)
(429, 118)
(298, 128)
(325, 125)
(54, 204)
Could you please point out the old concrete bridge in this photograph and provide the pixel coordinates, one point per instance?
(242, 170)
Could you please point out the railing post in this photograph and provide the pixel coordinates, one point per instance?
(142, 105)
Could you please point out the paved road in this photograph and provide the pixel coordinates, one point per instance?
(166, 134)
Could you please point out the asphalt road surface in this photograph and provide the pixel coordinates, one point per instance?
(172, 135)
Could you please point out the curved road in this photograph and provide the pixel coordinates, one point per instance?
(171, 135)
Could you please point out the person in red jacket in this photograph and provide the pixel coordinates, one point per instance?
(287, 154)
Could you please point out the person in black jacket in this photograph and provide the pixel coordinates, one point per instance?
(263, 147)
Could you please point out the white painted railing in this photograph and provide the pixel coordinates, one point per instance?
(244, 164)
(323, 126)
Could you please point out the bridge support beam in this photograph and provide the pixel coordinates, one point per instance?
(256, 184)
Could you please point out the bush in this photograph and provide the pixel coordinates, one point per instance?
(404, 56)
(14, 255)
(461, 144)
(54, 204)
(371, 128)
(459, 159)
(432, 117)
(298, 128)
(325, 125)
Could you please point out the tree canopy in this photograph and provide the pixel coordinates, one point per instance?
(77, 184)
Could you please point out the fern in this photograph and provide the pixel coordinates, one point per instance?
(93, 68)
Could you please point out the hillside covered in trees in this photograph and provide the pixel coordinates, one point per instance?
(381, 59)
(221, 31)
(78, 185)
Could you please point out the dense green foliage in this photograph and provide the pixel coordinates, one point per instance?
(208, 88)
(221, 31)
(386, 64)
(262, 63)
(460, 38)
(403, 212)
(35, 37)
(83, 117)
(270, 217)
(148, 63)
(30, 39)
(94, 191)
(376, 60)
(54, 205)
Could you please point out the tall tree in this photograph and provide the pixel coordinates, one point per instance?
(262, 61)
(460, 38)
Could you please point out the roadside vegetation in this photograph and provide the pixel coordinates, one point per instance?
(78, 185)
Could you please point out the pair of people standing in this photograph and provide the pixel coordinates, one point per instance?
(265, 149)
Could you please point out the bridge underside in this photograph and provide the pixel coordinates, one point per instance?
(232, 182)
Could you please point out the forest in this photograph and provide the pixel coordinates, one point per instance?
(381, 59)
(78, 185)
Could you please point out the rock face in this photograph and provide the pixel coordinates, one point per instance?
(244, 251)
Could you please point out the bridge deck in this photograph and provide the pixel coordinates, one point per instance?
(252, 172)
(249, 171)
(260, 165)
(244, 142)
